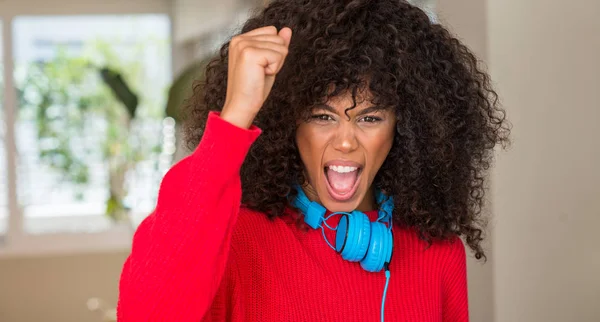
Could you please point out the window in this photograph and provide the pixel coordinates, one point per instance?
(92, 142)
(84, 156)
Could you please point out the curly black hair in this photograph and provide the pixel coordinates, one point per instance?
(448, 115)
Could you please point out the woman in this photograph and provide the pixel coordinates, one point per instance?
(336, 171)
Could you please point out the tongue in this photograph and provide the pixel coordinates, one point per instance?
(341, 182)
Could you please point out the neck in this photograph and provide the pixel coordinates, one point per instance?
(367, 204)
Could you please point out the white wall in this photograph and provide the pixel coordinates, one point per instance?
(545, 58)
(43, 7)
(194, 18)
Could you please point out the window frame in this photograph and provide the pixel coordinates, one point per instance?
(16, 242)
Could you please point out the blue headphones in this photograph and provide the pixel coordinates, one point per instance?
(357, 239)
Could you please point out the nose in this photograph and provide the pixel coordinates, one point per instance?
(345, 139)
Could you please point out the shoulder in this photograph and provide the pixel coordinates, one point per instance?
(451, 250)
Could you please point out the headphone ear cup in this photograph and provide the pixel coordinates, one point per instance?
(380, 248)
(353, 236)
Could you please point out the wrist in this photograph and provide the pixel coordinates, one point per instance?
(240, 119)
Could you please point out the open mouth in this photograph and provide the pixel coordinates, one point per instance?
(342, 180)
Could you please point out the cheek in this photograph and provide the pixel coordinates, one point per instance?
(379, 147)
(311, 147)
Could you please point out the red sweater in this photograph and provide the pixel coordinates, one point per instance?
(202, 257)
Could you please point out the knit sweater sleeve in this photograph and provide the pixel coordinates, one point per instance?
(180, 252)
(455, 299)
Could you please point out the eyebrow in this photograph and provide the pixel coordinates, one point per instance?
(370, 109)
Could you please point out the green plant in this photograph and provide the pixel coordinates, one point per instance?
(84, 112)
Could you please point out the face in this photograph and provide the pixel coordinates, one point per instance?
(342, 154)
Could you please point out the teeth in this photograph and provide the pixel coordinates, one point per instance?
(342, 169)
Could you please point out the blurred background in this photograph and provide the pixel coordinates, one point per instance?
(89, 98)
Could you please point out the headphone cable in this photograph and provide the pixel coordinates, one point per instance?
(387, 282)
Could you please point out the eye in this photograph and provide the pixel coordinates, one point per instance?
(321, 117)
(370, 119)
